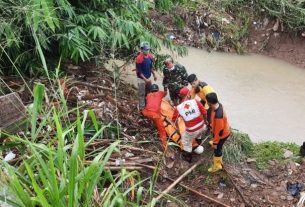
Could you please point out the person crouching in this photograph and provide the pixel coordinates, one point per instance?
(220, 129)
(194, 116)
(152, 111)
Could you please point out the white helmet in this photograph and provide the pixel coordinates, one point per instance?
(199, 150)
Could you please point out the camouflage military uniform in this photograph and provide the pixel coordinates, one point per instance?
(174, 80)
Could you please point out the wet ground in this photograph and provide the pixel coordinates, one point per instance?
(239, 185)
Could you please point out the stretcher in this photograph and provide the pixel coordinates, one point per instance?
(174, 133)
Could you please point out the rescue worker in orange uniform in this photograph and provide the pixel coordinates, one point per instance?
(220, 129)
(152, 111)
(194, 116)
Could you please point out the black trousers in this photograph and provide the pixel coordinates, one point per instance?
(218, 151)
(174, 95)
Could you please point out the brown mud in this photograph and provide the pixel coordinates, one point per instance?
(201, 28)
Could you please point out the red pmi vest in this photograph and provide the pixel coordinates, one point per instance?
(191, 114)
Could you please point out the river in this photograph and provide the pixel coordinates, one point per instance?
(263, 97)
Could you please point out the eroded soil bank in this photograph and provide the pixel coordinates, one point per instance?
(212, 29)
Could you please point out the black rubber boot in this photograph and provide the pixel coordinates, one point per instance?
(187, 156)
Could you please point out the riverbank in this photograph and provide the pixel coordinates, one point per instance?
(283, 45)
(84, 142)
(241, 184)
(215, 27)
(251, 88)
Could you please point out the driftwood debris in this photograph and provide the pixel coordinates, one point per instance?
(141, 150)
(91, 85)
(200, 194)
(248, 203)
(125, 167)
(177, 181)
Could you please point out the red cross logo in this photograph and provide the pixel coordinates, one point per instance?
(186, 106)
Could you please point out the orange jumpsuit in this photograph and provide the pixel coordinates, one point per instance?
(152, 111)
(220, 128)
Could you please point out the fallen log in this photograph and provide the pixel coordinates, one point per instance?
(200, 194)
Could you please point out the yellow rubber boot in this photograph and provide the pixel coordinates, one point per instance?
(211, 143)
(217, 165)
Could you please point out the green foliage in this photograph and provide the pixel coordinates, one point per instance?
(234, 4)
(159, 61)
(167, 5)
(57, 165)
(37, 105)
(70, 29)
(237, 31)
(265, 151)
(290, 12)
(53, 170)
(160, 28)
(208, 180)
(238, 147)
(164, 5)
(180, 24)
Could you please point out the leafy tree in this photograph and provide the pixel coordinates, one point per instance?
(72, 29)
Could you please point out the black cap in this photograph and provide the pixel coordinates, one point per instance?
(154, 87)
(191, 78)
(212, 98)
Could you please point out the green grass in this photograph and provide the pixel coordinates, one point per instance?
(265, 151)
(239, 147)
(59, 168)
(179, 22)
(53, 172)
(208, 180)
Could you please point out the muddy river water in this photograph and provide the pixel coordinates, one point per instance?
(263, 97)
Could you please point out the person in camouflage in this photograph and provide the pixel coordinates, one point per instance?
(175, 78)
